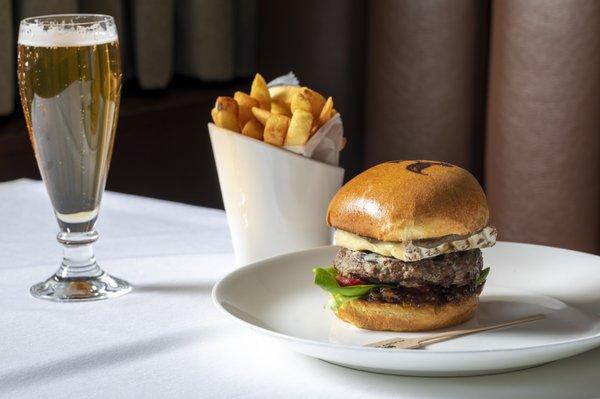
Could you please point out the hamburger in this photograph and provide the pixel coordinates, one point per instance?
(410, 235)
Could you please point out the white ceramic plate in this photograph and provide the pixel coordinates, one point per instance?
(277, 297)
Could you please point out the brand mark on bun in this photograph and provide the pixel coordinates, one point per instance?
(419, 166)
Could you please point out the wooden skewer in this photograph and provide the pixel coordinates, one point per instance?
(419, 342)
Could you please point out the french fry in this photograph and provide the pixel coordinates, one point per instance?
(299, 130)
(276, 129)
(280, 115)
(280, 108)
(326, 112)
(226, 115)
(261, 115)
(245, 103)
(300, 101)
(224, 103)
(317, 101)
(253, 129)
(284, 93)
(260, 92)
(227, 120)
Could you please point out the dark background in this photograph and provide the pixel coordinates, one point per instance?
(510, 90)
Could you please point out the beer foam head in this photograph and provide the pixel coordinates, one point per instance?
(67, 30)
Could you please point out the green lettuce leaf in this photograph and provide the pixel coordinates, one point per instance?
(483, 276)
(325, 278)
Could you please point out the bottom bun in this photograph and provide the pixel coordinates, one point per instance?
(383, 316)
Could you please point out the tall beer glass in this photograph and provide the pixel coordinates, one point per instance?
(69, 73)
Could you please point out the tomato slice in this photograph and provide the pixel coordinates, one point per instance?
(346, 281)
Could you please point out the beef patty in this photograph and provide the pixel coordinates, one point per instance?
(436, 294)
(452, 269)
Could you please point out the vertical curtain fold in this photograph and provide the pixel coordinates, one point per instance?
(153, 33)
(205, 39)
(543, 145)
(7, 58)
(246, 16)
(426, 81)
(30, 8)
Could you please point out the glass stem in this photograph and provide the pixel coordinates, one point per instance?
(78, 261)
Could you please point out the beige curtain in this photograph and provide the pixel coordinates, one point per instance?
(211, 40)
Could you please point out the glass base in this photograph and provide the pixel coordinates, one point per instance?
(64, 289)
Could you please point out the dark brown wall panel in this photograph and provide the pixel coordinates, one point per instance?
(543, 145)
(323, 42)
(426, 81)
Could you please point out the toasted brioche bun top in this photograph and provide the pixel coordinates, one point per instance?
(410, 200)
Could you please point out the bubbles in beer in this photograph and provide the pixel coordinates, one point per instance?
(70, 82)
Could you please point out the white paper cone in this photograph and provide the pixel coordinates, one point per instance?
(275, 200)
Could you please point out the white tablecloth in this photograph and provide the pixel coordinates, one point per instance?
(166, 339)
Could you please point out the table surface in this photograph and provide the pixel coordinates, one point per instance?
(165, 339)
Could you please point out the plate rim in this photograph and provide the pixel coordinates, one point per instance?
(336, 346)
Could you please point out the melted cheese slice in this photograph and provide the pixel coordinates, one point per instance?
(410, 251)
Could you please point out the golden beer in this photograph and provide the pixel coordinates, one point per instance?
(70, 96)
(69, 73)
